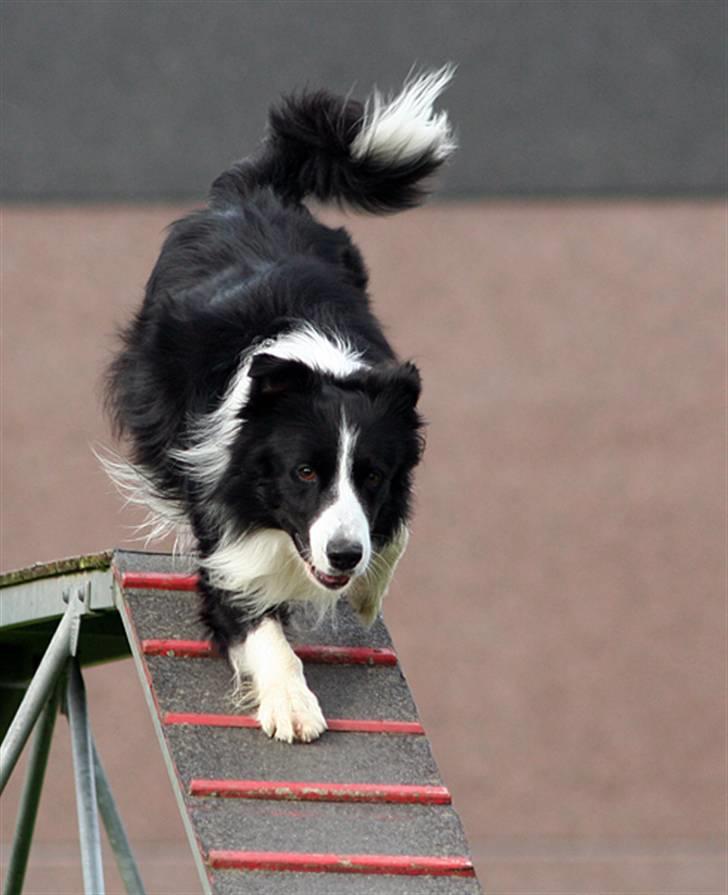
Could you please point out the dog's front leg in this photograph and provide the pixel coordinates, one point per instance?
(287, 709)
(367, 593)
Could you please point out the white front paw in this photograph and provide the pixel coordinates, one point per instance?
(290, 711)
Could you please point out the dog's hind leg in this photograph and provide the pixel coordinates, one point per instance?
(287, 709)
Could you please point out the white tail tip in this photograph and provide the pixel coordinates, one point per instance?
(396, 130)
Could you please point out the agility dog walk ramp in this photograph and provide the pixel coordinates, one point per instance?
(361, 810)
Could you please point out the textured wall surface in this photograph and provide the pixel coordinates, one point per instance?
(139, 100)
(561, 610)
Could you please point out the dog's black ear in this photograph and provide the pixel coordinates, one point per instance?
(274, 376)
(400, 383)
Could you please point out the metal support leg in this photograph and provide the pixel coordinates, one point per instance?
(31, 796)
(115, 831)
(83, 768)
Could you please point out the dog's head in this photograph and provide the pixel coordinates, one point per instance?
(328, 460)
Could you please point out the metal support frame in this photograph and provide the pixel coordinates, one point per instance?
(115, 832)
(83, 769)
(30, 798)
(93, 792)
(62, 645)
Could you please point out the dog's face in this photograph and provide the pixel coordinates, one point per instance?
(328, 461)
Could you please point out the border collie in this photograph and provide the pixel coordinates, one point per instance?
(262, 404)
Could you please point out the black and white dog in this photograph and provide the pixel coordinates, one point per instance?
(263, 406)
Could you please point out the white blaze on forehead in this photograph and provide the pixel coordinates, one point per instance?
(344, 519)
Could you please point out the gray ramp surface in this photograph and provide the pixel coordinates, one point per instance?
(370, 825)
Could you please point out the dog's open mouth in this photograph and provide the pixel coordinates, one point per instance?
(331, 582)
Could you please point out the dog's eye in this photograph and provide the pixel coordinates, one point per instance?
(306, 473)
(374, 479)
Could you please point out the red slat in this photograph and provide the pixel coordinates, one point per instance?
(159, 581)
(346, 655)
(204, 720)
(400, 865)
(328, 655)
(342, 725)
(187, 649)
(298, 791)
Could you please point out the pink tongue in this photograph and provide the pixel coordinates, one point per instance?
(332, 579)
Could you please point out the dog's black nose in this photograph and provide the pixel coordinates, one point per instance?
(344, 555)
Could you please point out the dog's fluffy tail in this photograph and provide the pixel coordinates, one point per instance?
(372, 156)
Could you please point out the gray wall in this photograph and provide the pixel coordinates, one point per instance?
(143, 100)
